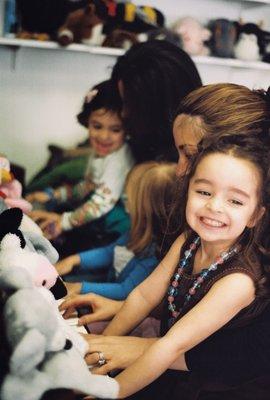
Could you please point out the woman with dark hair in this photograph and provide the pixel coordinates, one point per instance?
(152, 78)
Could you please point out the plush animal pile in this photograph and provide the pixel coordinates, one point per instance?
(105, 23)
(39, 350)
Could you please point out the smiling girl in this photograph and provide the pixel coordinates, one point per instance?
(214, 277)
(109, 162)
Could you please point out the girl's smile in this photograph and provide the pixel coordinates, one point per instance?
(106, 133)
(212, 223)
(223, 198)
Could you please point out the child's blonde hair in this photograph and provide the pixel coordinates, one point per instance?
(150, 189)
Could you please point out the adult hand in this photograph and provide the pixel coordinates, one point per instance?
(118, 351)
(66, 265)
(49, 222)
(40, 197)
(100, 308)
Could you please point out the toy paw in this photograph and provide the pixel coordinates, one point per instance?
(42, 37)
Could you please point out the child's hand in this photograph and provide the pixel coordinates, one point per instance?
(49, 222)
(39, 197)
(100, 308)
(66, 266)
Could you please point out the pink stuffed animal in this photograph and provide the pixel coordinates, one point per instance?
(193, 36)
(10, 188)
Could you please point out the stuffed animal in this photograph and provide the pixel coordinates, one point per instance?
(100, 18)
(40, 19)
(11, 188)
(32, 328)
(249, 45)
(64, 369)
(193, 36)
(224, 35)
(41, 358)
(252, 43)
(15, 252)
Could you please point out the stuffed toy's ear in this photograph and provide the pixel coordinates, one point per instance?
(30, 316)
(29, 352)
(41, 245)
(10, 220)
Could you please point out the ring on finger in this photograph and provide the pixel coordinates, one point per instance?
(101, 359)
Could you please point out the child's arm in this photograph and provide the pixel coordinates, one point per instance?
(93, 259)
(101, 257)
(63, 193)
(141, 268)
(223, 301)
(99, 204)
(106, 193)
(145, 297)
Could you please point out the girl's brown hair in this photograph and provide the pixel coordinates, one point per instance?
(255, 240)
(225, 109)
(150, 190)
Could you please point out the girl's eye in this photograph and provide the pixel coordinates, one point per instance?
(203, 192)
(117, 130)
(236, 202)
(95, 126)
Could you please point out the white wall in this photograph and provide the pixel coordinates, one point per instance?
(42, 90)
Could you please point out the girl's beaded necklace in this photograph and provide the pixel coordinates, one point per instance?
(183, 264)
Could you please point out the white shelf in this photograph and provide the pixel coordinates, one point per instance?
(13, 42)
(231, 62)
(226, 62)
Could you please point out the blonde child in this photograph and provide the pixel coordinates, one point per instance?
(131, 258)
(220, 279)
(108, 165)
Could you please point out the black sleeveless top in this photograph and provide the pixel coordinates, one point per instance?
(204, 383)
(234, 264)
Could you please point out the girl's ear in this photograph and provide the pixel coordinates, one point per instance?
(256, 217)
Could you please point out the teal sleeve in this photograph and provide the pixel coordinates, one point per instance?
(133, 274)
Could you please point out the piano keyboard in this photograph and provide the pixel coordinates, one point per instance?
(73, 320)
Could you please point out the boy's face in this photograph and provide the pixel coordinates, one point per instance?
(106, 133)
